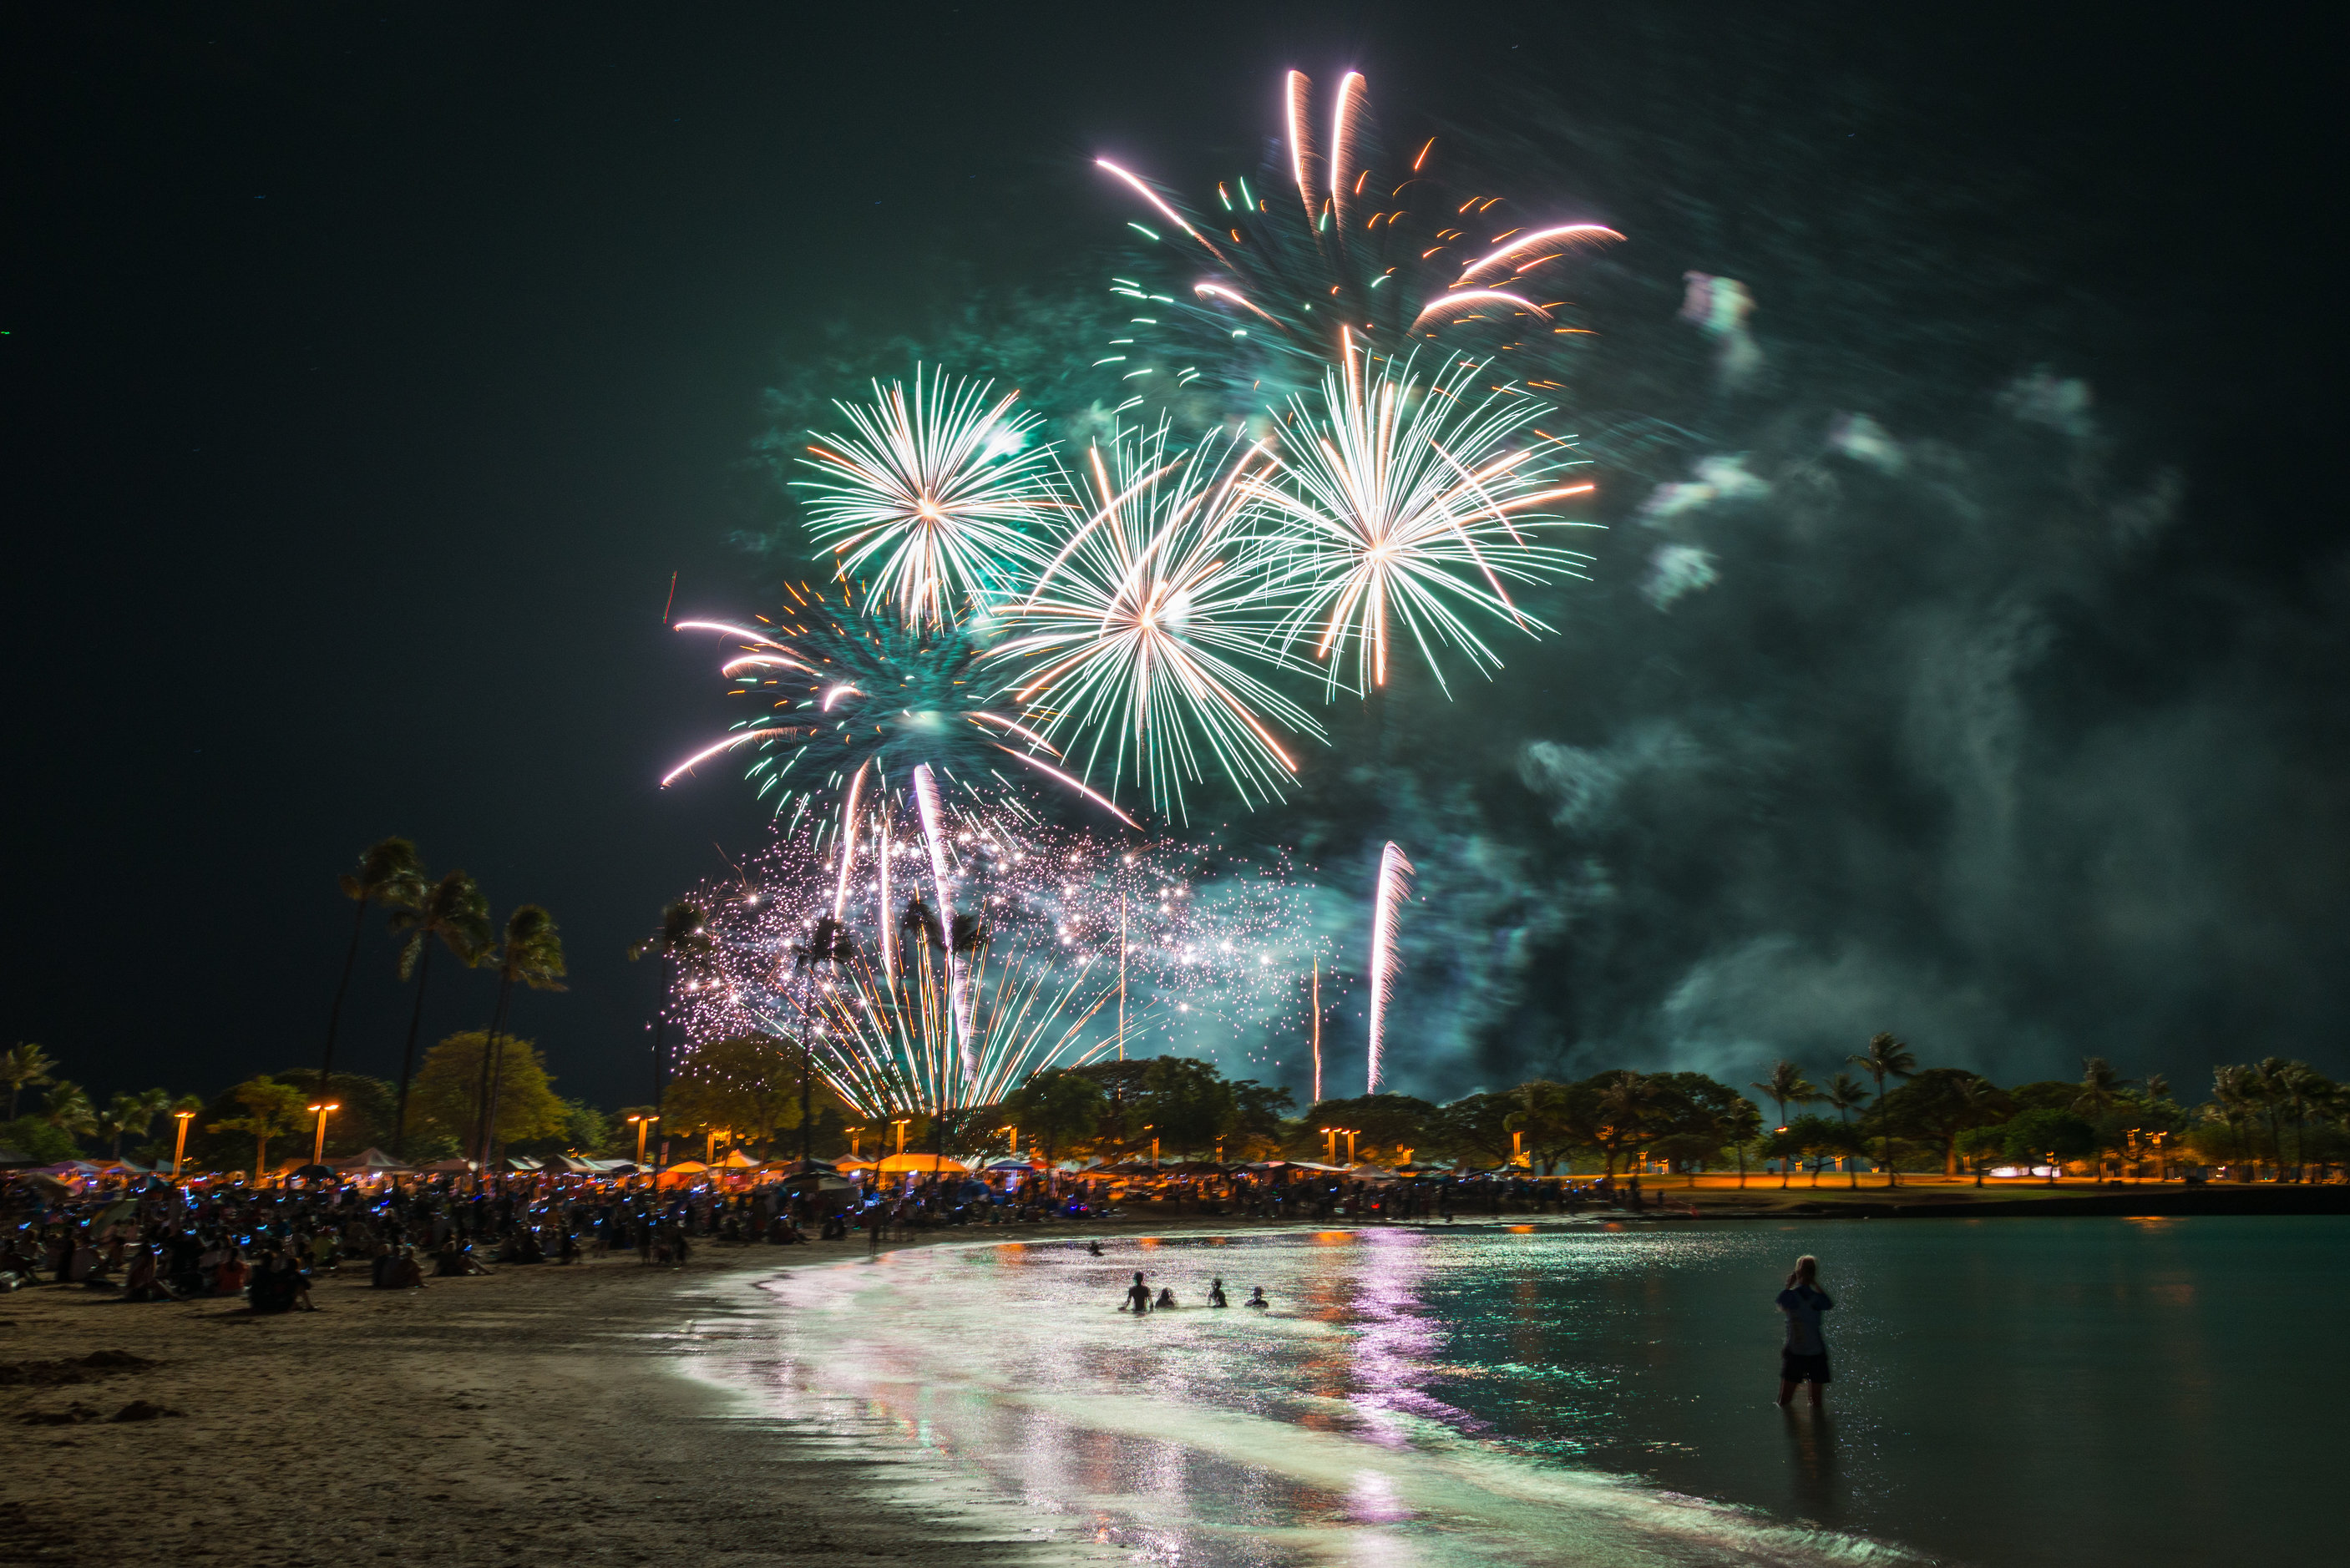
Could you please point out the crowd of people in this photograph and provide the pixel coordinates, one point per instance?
(156, 1241)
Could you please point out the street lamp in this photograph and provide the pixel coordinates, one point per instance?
(180, 1152)
(1013, 1132)
(1350, 1133)
(644, 1125)
(901, 1124)
(318, 1144)
(1329, 1145)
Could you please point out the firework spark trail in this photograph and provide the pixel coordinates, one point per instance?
(934, 489)
(848, 839)
(1393, 886)
(1136, 641)
(1393, 500)
(926, 796)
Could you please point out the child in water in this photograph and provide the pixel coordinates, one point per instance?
(1257, 1298)
(1166, 1297)
(1216, 1293)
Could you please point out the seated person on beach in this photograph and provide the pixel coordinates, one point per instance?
(1257, 1298)
(229, 1274)
(407, 1273)
(1216, 1293)
(1137, 1297)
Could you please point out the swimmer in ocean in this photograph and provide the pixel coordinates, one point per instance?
(1216, 1293)
(1256, 1297)
(1095, 1248)
(1166, 1298)
(1137, 1297)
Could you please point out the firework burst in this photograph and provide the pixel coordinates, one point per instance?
(1335, 236)
(1395, 501)
(931, 493)
(1138, 630)
(854, 702)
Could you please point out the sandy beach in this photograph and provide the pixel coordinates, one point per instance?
(533, 1417)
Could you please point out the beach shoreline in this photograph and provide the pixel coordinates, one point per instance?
(543, 1414)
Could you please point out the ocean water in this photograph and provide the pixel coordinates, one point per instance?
(2075, 1392)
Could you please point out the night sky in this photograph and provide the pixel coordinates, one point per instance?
(370, 370)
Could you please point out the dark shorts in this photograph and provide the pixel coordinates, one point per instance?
(1794, 1368)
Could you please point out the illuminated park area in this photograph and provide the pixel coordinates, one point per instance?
(1281, 799)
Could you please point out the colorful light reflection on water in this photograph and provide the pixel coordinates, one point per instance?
(1574, 1394)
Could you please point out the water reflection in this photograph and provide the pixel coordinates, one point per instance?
(1813, 1489)
(1567, 1394)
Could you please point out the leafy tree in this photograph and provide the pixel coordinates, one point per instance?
(1810, 1138)
(2100, 1088)
(531, 955)
(37, 1141)
(1886, 1058)
(1474, 1128)
(1787, 1085)
(449, 914)
(25, 1066)
(388, 874)
(446, 1098)
(1379, 1121)
(1621, 1103)
(1253, 1127)
(1692, 1117)
(2044, 1095)
(1054, 1106)
(1185, 1101)
(272, 1110)
(1941, 1103)
(748, 1085)
(681, 942)
(585, 1130)
(1551, 1119)
(365, 1108)
(2035, 1136)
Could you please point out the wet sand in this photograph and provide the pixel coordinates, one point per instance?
(537, 1416)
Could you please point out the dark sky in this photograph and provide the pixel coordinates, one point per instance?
(371, 368)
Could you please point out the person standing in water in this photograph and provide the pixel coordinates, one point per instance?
(1806, 1358)
(1256, 1299)
(1216, 1292)
(1137, 1297)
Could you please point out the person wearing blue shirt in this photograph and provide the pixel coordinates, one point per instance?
(1806, 1358)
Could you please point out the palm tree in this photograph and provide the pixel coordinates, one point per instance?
(2235, 1091)
(388, 874)
(2269, 1079)
(2302, 1086)
(1886, 1058)
(1787, 1085)
(828, 943)
(532, 956)
(24, 1066)
(133, 1114)
(67, 1108)
(1846, 1093)
(452, 912)
(679, 938)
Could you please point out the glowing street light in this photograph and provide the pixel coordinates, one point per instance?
(901, 1124)
(1012, 1132)
(644, 1124)
(318, 1144)
(180, 1150)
